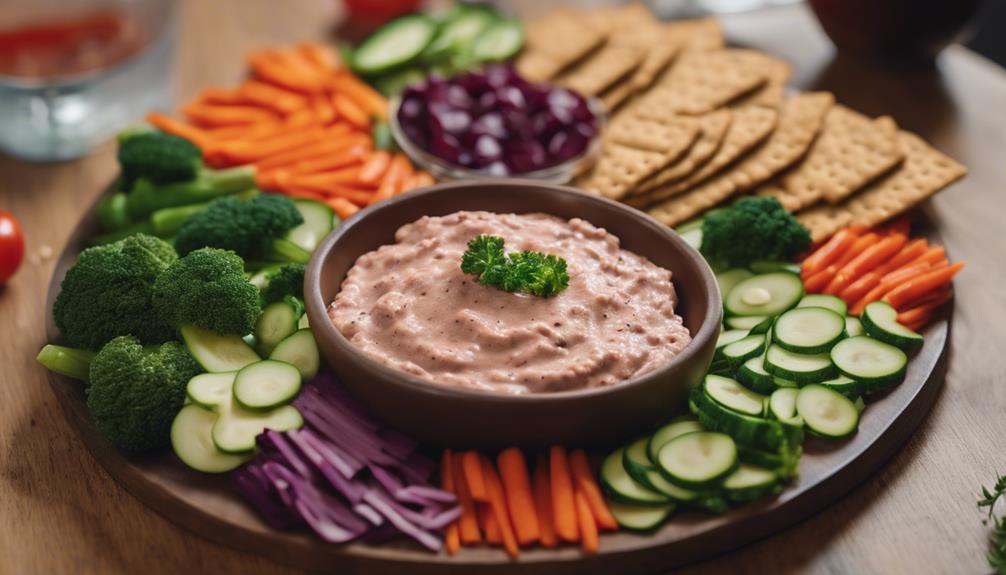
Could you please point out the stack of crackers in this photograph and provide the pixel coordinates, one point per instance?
(693, 124)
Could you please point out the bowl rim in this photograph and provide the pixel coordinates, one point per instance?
(708, 329)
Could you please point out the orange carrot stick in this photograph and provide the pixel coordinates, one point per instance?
(869, 280)
(490, 526)
(872, 257)
(586, 484)
(519, 496)
(563, 500)
(921, 322)
(422, 179)
(343, 207)
(498, 502)
(212, 116)
(337, 176)
(349, 111)
(817, 282)
(398, 169)
(938, 295)
(862, 242)
(224, 96)
(452, 538)
(357, 197)
(174, 127)
(283, 102)
(247, 153)
(888, 282)
(312, 151)
(319, 56)
(468, 525)
(473, 475)
(302, 192)
(588, 528)
(366, 98)
(923, 308)
(375, 166)
(323, 110)
(900, 226)
(287, 71)
(829, 252)
(543, 504)
(346, 160)
(918, 286)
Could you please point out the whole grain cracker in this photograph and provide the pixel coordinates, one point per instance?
(713, 127)
(556, 41)
(925, 171)
(777, 74)
(615, 96)
(698, 35)
(851, 152)
(652, 135)
(800, 120)
(621, 167)
(603, 69)
(748, 128)
(635, 26)
(699, 82)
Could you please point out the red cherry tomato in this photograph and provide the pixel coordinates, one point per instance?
(11, 246)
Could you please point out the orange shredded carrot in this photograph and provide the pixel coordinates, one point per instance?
(563, 500)
(829, 252)
(452, 538)
(174, 127)
(349, 111)
(473, 475)
(519, 495)
(343, 207)
(543, 504)
(586, 484)
(498, 502)
(468, 523)
(588, 528)
(916, 287)
(375, 167)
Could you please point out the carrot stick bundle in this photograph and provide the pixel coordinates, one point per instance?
(921, 284)
(587, 485)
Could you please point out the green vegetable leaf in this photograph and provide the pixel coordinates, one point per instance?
(530, 272)
(997, 539)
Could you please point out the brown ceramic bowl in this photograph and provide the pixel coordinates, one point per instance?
(445, 416)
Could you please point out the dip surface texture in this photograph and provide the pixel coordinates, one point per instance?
(410, 306)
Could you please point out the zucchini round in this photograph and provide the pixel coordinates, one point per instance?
(620, 486)
(827, 413)
(640, 518)
(699, 459)
(764, 295)
(808, 330)
(744, 349)
(677, 426)
(749, 482)
(395, 44)
(870, 361)
(732, 395)
(798, 367)
(827, 301)
(880, 321)
(752, 375)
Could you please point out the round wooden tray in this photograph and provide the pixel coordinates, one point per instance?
(208, 506)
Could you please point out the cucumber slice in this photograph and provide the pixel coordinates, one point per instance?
(827, 413)
(784, 383)
(798, 367)
(266, 384)
(301, 351)
(304, 323)
(392, 83)
(765, 294)
(654, 480)
(752, 375)
(691, 232)
(782, 404)
(784, 463)
(747, 430)
(742, 350)
(698, 459)
(678, 426)
(834, 303)
(728, 337)
(749, 483)
(260, 279)
(769, 266)
(458, 32)
(846, 386)
(395, 44)
(748, 323)
(217, 353)
(765, 326)
(636, 461)
(728, 279)
(192, 442)
(236, 428)
(733, 395)
(640, 518)
(500, 41)
(853, 326)
(873, 362)
(620, 486)
(319, 221)
(211, 390)
(277, 322)
(880, 321)
(808, 330)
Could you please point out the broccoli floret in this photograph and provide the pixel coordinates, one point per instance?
(135, 393)
(207, 288)
(109, 291)
(287, 280)
(753, 228)
(158, 157)
(247, 228)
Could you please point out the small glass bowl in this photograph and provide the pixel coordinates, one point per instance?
(442, 170)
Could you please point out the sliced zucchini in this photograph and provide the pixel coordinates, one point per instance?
(764, 326)
(395, 44)
(217, 353)
(319, 221)
(458, 32)
(782, 404)
(827, 413)
(808, 330)
(753, 375)
(798, 367)
(853, 326)
(301, 351)
(785, 463)
(677, 426)
(260, 279)
(747, 430)
(620, 486)
(699, 459)
(729, 336)
(277, 322)
(844, 385)
(636, 461)
(742, 350)
(500, 41)
(728, 279)
(749, 482)
(769, 266)
(654, 480)
(266, 384)
(747, 323)
(236, 428)
(192, 441)
(781, 383)
(691, 232)
(827, 301)
(765, 294)
(638, 517)
(304, 322)
(870, 361)
(733, 395)
(880, 321)
(211, 390)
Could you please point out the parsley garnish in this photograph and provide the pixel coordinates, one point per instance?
(535, 273)
(997, 540)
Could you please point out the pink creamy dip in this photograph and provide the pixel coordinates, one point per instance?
(410, 306)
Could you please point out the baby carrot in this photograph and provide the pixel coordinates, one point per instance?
(302, 192)
(174, 127)
(249, 152)
(862, 242)
(588, 528)
(422, 179)
(468, 526)
(498, 502)
(543, 504)
(452, 538)
(829, 252)
(473, 475)
(918, 286)
(375, 167)
(585, 483)
(349, 111)
(343, 207)
(519, 497)
(870, 279)
(888, 282)
(563, 500)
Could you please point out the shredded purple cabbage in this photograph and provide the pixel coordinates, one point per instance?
(345, 475)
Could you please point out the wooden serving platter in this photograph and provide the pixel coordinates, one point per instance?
(208, 506)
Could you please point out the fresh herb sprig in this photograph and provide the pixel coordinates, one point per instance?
(530, 272)
(997, 539)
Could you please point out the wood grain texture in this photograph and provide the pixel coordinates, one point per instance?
(62, 514)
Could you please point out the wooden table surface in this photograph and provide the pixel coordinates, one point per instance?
(61, 513)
